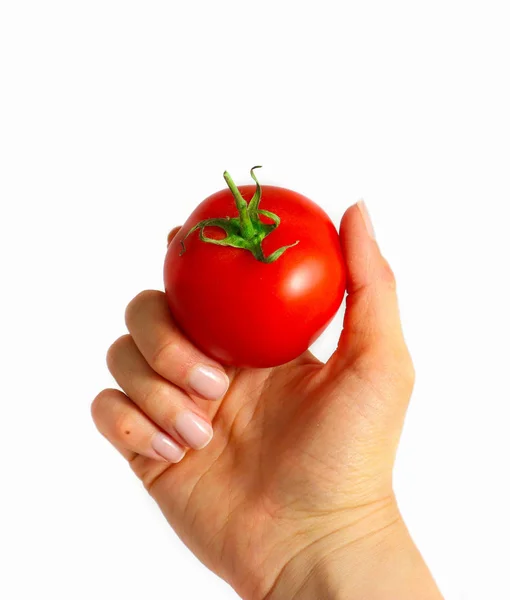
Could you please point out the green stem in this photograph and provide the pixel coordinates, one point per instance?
(246, 232)
(247, 229)
(253, 208)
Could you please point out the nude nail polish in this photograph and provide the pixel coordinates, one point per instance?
(167, 448)
(366, 218)
(208, 382)
(196, 432)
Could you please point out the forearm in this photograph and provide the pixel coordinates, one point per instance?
(383, 565)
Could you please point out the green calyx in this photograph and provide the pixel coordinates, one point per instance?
(245, 231)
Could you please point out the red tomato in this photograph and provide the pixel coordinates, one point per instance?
(245, 312)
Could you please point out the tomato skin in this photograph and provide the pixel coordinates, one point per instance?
(247, 313)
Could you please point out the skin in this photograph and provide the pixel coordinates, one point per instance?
(293, 496)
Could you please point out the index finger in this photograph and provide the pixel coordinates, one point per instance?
(169, 352)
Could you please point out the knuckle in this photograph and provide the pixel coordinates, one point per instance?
(167, 422)
(137, 304)
(363, 365)
(159, 405)
(117, 349)
(166, 355)
(402, 368)
(153, 397)
(373, 357)
(396, 365)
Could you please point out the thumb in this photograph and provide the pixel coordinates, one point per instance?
(372, 329)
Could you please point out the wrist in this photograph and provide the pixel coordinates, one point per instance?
(374, 558)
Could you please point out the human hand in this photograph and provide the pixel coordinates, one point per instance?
(292, 497)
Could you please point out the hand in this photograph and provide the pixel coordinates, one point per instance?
(295, 486)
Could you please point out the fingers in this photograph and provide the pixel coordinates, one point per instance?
(372, 327)
(126, 427)
(169, 352)
(158, 368)
(166, 405)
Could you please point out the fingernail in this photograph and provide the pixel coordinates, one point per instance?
(208, 382)
(196, 432)
(366, 218)
(167, 448)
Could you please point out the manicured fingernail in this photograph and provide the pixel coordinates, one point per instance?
(167, 448)
(194, 430)
(208, 382)
(366, 218)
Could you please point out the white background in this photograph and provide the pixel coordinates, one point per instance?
(116, 118)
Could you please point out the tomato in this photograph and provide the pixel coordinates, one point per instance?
(262, 301)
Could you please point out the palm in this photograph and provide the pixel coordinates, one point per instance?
(279, 450)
